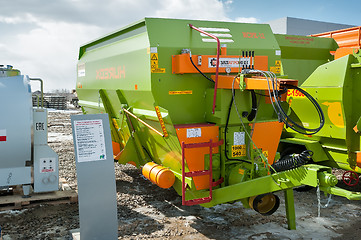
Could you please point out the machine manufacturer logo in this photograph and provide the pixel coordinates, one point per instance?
(111, 73)
(253, 35)
(228, 62)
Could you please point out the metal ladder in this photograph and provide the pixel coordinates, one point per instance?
(209, 172)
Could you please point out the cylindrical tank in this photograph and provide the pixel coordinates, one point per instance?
(15, 127)
(158, 174)
(8, 71)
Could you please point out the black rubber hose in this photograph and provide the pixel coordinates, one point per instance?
(209, 79)
(253, 113)
(292, 124)
(292, 161)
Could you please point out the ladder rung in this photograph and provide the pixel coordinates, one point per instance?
(198, 201)
(197, 173)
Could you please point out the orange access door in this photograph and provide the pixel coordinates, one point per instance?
(199, 133)
(266, 135)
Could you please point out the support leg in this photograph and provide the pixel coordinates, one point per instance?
(290, 209)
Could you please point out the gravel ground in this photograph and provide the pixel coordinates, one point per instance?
(147, 212)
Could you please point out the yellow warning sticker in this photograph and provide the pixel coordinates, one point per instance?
(161, 121)
(278, 63)
(154, 64)
(275, 69)
(180, 92)
(238, 150)
(265, 153)
(154, 56)
(158, 70)
(241, 171)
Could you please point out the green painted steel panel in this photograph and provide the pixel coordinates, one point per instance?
(301, 55)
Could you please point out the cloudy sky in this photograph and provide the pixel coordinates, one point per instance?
(42, 37)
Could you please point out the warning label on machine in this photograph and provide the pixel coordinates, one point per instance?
(180, 92)
(238, 150)
(81, 70)
(154, 63)
(194, 132)
(2, 135)
(238, 138)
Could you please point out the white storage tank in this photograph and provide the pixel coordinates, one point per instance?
(15, 127)
(25, 157)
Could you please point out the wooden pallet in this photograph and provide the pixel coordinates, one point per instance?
(16, 201)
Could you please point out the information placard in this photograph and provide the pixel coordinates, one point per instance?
(95, 176)
(89, 137)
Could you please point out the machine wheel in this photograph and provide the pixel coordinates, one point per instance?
(265, 204)
(350, 178)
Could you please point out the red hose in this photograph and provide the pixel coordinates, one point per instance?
(217, 62)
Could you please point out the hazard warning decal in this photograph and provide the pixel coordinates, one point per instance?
(2, 135)
(154, 61)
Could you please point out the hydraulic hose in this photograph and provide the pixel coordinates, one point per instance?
(292, 161)
(253, 112)
(209, 79)
(299, 128)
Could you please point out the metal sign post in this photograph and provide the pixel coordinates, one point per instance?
(96, 176)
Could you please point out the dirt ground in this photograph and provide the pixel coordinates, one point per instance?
(146, 211)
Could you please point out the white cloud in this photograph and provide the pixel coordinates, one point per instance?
(190, 9)
(44, 41)
(49, 51)
(247, 20)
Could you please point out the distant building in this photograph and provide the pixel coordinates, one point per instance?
(298, 26)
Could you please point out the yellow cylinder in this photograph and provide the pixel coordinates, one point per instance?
(158, 174)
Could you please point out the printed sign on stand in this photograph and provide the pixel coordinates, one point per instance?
(95, 176)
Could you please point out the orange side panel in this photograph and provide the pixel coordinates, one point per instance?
(226, 81)
(261, 63)
(345, 51)
(349, 37)
(182, 64)
(195, 156)
(266, 135)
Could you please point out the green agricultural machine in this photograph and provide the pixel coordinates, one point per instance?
(200, 106)
(335, 85)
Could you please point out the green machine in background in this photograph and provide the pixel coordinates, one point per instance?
(336, 87)
(301, 55)
(198, 106)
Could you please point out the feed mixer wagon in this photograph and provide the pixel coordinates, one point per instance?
(336, 86)
(196, 106)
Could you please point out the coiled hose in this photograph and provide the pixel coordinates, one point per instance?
(292, 161)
